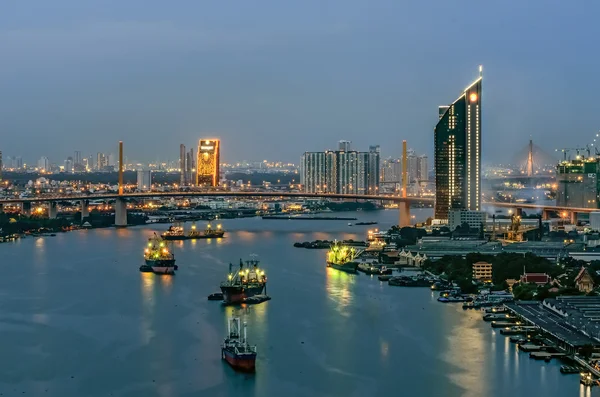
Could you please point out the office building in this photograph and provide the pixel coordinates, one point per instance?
(457, 140)
(482, 271)
(458, 217)
(391, 171)
(577, 182)
(207, 165)
(342, 172)
(144, 180)
(595, 221)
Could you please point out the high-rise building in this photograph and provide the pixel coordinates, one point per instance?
(182, 165)
(577, 182)
(1, 165)
(44, 164)
(189, 167)
(313, 172)
(422, 169)
(207, 166)
(69, 165)
(391, 171)
(101, 161)
(344, 146)
(342, 172)
(457, 139)
(77, 159)
(144, 180)
(111, 160)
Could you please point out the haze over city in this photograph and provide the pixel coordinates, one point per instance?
(290, 77)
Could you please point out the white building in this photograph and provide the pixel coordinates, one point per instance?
(474, 219)
(595, 220)
(144, 180)
(44, 164)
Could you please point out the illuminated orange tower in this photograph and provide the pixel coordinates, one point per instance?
(207, 166)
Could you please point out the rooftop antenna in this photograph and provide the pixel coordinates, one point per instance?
(480, 70)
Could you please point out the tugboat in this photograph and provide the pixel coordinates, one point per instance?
(175, 232)
(244, 283)
(209, 232)
(158, 258)
(236, 350)
(342, 257)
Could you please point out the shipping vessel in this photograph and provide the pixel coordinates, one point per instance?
(236, 350)
(244, 283)
(175, 232)
(342, 257)
(158, 258)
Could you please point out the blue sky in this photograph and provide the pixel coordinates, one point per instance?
(274, 78)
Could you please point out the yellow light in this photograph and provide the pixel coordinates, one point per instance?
(473, 97)
(218, 226)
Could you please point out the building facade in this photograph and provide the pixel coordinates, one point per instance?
(457, 140)
(343, 172)
(577, 182)
(207, 165)
(482, 271)
(458, 217)
(144, 180)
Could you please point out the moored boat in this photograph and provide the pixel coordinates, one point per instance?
(342, 257)
(244, 283)
(174, 232)
(236, 350)
(209, 232)
(158, 258)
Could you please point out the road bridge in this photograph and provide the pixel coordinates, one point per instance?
(404, 216)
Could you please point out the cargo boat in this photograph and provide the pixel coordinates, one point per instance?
(157, 257)
(342, 257)
(244, 283)
(236, 350)
(175, 232)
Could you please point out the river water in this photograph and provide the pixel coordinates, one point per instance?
(77, 318)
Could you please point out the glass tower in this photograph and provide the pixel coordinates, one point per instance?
(457, 139)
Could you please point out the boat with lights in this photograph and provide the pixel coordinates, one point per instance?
(342, 257)
(249, 280)
(209, 232)
(235, 348)
(175, 232)
(158, 258)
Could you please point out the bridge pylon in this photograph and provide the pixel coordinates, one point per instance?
(404, 214)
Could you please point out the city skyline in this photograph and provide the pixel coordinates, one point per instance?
(302, 77)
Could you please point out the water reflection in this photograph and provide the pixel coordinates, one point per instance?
(338, 286)
(147, 288)
(467, 350)
(166, 282)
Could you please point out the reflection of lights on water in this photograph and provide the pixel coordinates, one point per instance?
(147, 284)
(385, 348)
(166, 281)
(338, 288)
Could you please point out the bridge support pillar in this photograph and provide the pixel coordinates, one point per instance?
(85, 211)
(573, 218)
(52, 210)
(26, 208)
(120, 213)
(404, 214)
(519, 211)
(545, 215)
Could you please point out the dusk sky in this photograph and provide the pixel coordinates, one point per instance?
(276, 78)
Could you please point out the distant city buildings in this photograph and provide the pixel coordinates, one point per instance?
(69, 165)
(457, 139)
(144, 180)
(43, 164)
(341, 171)
(207, 165)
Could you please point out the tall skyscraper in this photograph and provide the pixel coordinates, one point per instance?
(422, 169)
(190, 167)
(457, 139)
(313, 175)
(207, 166)
(44, 164)
(69, 166)
(182, 165)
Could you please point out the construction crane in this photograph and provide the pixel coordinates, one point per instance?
(578, 150)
